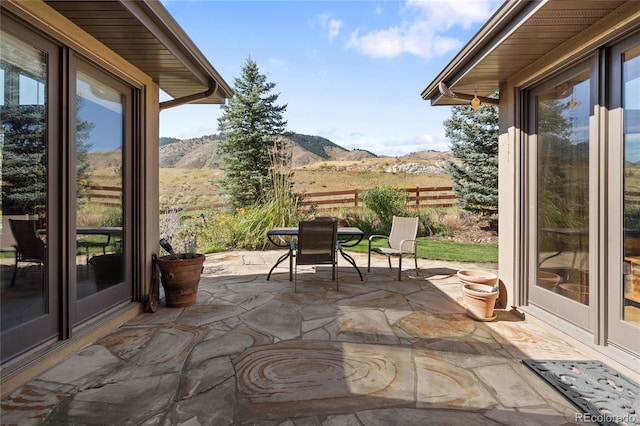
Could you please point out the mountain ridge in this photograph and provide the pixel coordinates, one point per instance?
(305, 150)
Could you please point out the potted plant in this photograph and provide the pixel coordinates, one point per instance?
(180, 275)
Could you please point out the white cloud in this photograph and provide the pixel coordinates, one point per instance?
(425, 29)
(334, 28)
(329, 24)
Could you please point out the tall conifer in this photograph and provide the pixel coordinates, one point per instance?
(250, 126)
(474, 144)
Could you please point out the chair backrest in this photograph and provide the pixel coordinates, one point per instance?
(30, 246)
(317, 242)
(403, 228)
(7, 240)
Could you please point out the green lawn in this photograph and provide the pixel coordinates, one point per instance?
(444, 250)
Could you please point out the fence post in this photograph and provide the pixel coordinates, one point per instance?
(417, 197)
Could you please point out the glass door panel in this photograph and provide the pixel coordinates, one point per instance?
(28, 308)
(563, 188)
(623, 284)
(100, 142)
(99, 130)
(631, 186)
(560, 194)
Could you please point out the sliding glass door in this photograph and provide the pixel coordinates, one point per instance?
(624, 136)
(561, 194)
(66, 169)
(28, 284)
(97, 240)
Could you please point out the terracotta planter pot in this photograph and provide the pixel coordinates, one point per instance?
(577, 292)
(180, 276)
(548, 280)
(477, 276)
(480, 301)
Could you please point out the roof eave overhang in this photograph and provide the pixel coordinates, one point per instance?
(523, 41)
(157, 19)
(497, 28)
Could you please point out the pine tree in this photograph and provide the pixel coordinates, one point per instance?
(474, 144)
(250, 126)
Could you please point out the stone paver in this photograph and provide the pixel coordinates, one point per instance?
(254, 352)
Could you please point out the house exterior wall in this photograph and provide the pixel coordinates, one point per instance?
(37, 16)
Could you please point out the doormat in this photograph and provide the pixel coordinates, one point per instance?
(601, 393)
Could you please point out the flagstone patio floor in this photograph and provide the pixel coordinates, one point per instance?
(254, 352)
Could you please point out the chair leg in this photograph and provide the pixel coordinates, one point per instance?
(369, 258)
(15, 273)
(400, 268)
(389, 259)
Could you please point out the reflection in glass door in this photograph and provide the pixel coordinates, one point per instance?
(100, 244)
(563, 108)
(28, 306)
(631, 178)
(623, 284)
(99, 133)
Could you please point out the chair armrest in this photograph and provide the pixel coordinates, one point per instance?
(372, 237)
(415, 245)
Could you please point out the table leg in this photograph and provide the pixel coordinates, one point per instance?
(351, 261)
(279, 261)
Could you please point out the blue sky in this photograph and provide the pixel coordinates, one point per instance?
(349, 71)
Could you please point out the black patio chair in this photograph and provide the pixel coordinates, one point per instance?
(317, 245)
(29, 247)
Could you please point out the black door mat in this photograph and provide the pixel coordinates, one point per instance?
(601, 393)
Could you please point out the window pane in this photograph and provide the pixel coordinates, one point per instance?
(563, 188)
(631, 137)
(99, 136)
(23, 170)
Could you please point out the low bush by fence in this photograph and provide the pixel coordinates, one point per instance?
(436, 196)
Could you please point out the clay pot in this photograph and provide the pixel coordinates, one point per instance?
(180, 276)
(548, 280)
(477, 276)
(577, 292)
(480, 301)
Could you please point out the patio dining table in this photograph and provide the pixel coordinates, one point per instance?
(348, 236)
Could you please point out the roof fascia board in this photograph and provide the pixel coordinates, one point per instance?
(503, 23)
(163, 26)
(621, 20)
(47, 19)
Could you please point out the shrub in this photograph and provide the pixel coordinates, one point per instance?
(385, 202)
(177, 231)
(367, 222)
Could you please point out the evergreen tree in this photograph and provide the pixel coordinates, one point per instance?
(474, 144)
(24, 145)
(250, 126)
